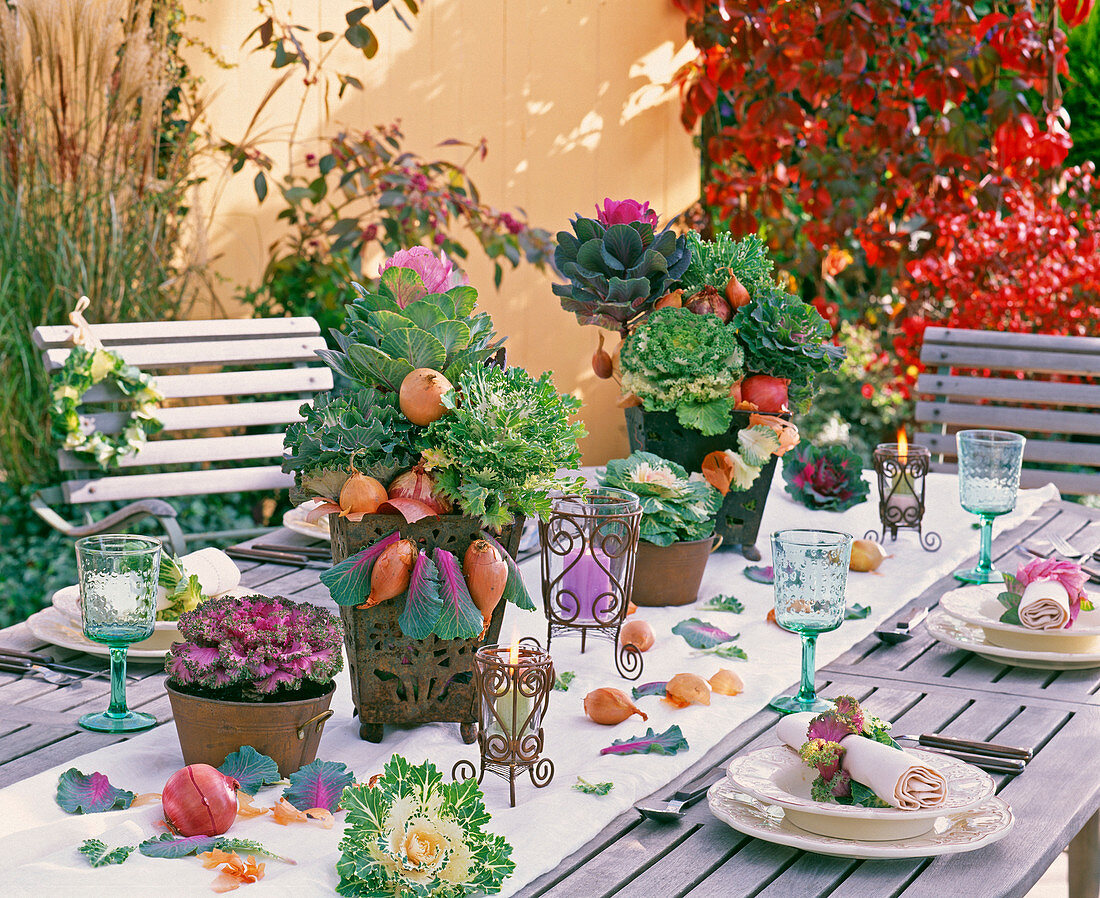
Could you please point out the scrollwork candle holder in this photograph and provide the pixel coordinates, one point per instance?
(513, 685)
(901, 471)
(589, 544)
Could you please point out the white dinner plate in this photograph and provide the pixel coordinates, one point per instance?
(963, 635)
(778, 776)
(295, 520)
(979, 605)
(57, 628)
(951, 833)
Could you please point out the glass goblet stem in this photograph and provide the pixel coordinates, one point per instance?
(117, 707)
(985, 553)
(806, 693)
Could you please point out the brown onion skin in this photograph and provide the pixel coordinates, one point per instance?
(708, 301)
(639, 634)
(391, 573)
(200, 800)
(736, 294)
(421, 396)
(601, 362)
(486, 574)
(608, 706)
(418, 484)
(673, 299)
(361, 494)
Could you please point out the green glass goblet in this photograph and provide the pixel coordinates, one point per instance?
(811, 574)
(118, 605)
(989, 478)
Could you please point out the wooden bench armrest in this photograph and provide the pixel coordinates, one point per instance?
(156, 508)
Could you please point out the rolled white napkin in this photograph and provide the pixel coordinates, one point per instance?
(216, 572)
(894, 776)
(1044, 605)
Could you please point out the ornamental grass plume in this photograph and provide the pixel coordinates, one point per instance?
(254, 648)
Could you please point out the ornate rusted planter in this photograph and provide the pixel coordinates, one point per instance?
(395, 679)
(738, 521)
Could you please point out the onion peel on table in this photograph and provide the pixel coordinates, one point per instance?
(284, 813)
(246, 808)
(235, 870)
(145, 798)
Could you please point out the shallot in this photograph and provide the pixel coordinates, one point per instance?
(688, 689)
(610, 706)
(390, 575)
(486, 574)
(767, 393)
(418, 484)
(639, 634)
(200, 800)
(736, 293)
(674, 299)
(361, 495)
(601, 361)
(421, 396)
(867, 555)
(708, 301)
(727, 682)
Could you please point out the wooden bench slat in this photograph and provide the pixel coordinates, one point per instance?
(1059, 362)
(1051, 452)
(48, 337)
(184, 483)
(201, 417)
(1068, 482)
(229, 383)
(954, 336)
(227, 352)
(1010, 389)
(1020, 420)
(201, 449)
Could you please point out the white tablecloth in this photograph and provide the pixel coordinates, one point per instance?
(38, 841)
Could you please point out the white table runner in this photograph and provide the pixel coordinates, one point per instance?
(38, 841)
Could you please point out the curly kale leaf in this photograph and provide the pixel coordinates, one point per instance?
(674, 508)
(362, 429)
(712, 262)
(498, 449)
(687, 363)
(787, 338)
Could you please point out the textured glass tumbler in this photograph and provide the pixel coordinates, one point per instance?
(811, 574)
(118, 605)
(989, 478)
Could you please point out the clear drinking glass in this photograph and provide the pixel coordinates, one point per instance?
(811, 573)
(989, 478)
(118, 605)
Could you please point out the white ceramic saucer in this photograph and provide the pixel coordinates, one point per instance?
(951, 833)
(778, 776)
(295, 520)
(979, 605)
(963, 635)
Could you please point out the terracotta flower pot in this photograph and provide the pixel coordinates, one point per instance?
(670, 575)
(287, 732)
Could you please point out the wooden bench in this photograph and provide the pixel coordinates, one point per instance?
(972, 380)
(232, 386)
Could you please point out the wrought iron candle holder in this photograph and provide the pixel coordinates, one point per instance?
(513, 685)
(589, 545)
(901, 471)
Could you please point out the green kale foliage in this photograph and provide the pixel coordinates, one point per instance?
(787, 338)
(682, 362)
(362, 429)
(712, 262)
(497, 453)
(674, 508)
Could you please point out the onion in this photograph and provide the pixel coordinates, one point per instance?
(411, 510)
(486, 574)
(639, 634)
(200, 800)
(610, 706)
(708, 301)
(688, 689)
(421, 396)
(418, 484)
(361, 495)
(601, 361)
(391, 573)
(867, 555)
(767, 393)
(727, 682)
(736, 293)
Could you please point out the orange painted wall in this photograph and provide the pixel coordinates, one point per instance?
(570, 95)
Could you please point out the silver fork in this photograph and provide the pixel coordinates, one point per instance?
(1062, 547)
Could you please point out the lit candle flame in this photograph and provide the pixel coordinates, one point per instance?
(903, 446)
(513, 651)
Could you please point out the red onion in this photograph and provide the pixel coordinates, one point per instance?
(418, 484)
(200, 800)
(767, 393)
(708, 301)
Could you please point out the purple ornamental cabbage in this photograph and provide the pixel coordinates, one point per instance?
(624, 212)
(823, 754)
(438, 274)
(256, 645)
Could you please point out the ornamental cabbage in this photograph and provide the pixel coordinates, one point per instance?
(245, 648)
(687, 363)
(675, 508)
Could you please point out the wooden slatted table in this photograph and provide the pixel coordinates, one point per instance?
(921, 685)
